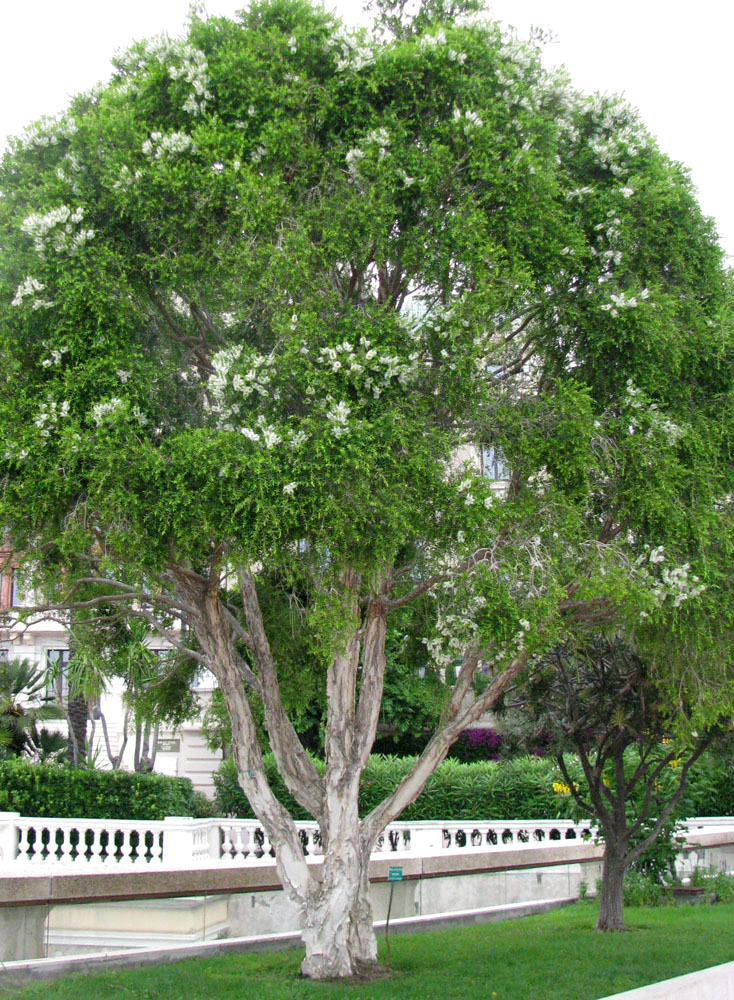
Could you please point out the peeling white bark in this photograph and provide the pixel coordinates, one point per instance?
(336, 914)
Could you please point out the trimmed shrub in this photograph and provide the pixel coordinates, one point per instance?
(516, 789)
(52, 790)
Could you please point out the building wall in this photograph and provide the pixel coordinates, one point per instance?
(184, 753)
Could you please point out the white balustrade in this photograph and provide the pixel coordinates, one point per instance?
(183, 842)
(94, 842)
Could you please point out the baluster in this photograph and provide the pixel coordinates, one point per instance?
(60, 846)
(25, 848)
(43, 844)
(227, 846)
(242, 844)
(91, 846)
(156, 848)
(127, 849)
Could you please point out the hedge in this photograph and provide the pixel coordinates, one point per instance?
(521, 788)
(516, 789)
(52, 790)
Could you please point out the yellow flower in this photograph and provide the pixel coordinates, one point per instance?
(675, 763)
(560, 789)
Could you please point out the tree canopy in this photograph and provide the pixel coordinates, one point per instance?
(265, 293)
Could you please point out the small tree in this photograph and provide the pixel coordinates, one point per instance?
(598, 700)
(264, 295)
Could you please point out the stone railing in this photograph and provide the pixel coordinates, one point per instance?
(182, 842)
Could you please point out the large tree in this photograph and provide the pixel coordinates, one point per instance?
(264, 294)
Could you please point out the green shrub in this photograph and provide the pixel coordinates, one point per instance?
(52, 790)
(644, 890)
(722, 886)
(518, 789)
(710, 789)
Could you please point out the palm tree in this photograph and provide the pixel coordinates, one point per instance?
(21, 683)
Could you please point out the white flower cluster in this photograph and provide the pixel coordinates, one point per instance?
(192, 68)
(338, 416)
(677, 584)
(57, 228)
(127, 179)
(110, 407)
(45, 133)
(179, 305)
(470, 119)
(618, 138)
(378, 137)
(456, 629)
(464, 488)
(373, 370)
(55, 359)
(159, 145)
(184, 63)
(680, 585)
(579, 193)
(266, 434)
(624, 301)
(29, 287)
(356, 52)
(432, 41)
(257, 378)
(49, 414)
(70, 161)
(656, 421)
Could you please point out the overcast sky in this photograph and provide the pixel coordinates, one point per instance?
(671, 59)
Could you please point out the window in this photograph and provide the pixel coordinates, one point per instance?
(57, 660)
(18, 595)
(493, 463)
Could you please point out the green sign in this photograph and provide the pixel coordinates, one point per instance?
(169, 746)
(395, 874)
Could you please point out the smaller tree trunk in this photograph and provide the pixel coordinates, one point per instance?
(611, 895)
(78, 715)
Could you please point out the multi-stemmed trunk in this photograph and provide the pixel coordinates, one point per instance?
(336, 912)
(331, 893)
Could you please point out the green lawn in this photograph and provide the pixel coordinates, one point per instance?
(553, 956)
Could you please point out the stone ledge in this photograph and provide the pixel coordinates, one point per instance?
(110, 886)
(15, 974)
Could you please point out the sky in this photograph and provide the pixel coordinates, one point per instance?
(670, 59)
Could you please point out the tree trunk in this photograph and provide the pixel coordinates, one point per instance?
(337, 915)
(337, 920)
(611, 896)
(78, 715)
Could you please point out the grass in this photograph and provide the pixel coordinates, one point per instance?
(552, 956)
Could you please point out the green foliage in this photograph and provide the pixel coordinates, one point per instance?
(518, 789)
(60, 791)
(642, 889)
(711, 784)
(21, 686)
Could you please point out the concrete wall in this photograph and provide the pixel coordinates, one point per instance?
(248, 902)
